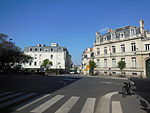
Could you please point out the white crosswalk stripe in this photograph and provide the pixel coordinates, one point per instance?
(47, 104)
(116, 107)
(89, 106)
(10, 96)
(68, 105)
(15, 100)
(5, 93)
(30, 102)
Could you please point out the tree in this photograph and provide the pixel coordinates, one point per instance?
(46, 64)
(121, 65)
(10, 54)
(92, 65)
(3, 37)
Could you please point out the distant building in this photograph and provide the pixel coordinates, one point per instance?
(59, 56)
(130, 44)
(87, 55)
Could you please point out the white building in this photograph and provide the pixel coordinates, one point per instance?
(86, 57)
(59, 56)
(130, 44)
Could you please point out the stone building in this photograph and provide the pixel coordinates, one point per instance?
(130, 44)
(59, 56)
(86, 57)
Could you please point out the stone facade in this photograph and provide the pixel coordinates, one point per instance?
(129, 43)
(86, 57)
(59, 56)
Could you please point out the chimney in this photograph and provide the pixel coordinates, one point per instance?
(142, 27)
(110, 30)
(39, 45)
(43, 45)
(54, 44)
(97, 33)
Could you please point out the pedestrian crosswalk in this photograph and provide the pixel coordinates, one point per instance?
(19, 102)
(39, 103)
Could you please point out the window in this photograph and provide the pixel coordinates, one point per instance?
(147, 46)
(30, 63)
(133, 62)
(113, 36)
(105, 50)
(35, 56)
(134, 73)
(113, 62)
(113, 72)
(133, 46)
(35, 63)
(51, 56)
(123, 59)
(85, 56)
(35, 49)
(98, 62)
(113, 49)
(105, 38)
(40, 49)
(98, 51)
(51, 49)
(122, 48)
(132, 31)
(105, 62)
(121, 35)
(30, 49)
(92, 54)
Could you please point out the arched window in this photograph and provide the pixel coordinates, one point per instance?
(132, 32)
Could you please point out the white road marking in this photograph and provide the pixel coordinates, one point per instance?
(89, 106)
(30, 102)
(105, 82)
(116, 107)
(10, 96)
(47, 104)
(5, 93)
(104, 104)
(15, 100)
(68, 105)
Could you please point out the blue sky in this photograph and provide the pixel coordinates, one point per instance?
(70, 23)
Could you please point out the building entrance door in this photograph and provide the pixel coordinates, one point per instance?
(148, 68)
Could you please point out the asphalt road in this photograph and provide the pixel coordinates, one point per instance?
(64, 94)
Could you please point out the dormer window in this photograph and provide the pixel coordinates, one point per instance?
(113, 36)
(132, 32)
(121, 35)
(30, 49)
(105, 38)
(98, 39)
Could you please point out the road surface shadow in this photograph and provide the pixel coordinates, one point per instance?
(143, 89)
(34, 83)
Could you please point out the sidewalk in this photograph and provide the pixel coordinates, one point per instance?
(142, 87)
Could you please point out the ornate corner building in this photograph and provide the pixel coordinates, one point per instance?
(130, 44)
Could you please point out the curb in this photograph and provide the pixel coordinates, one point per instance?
(104, 103)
